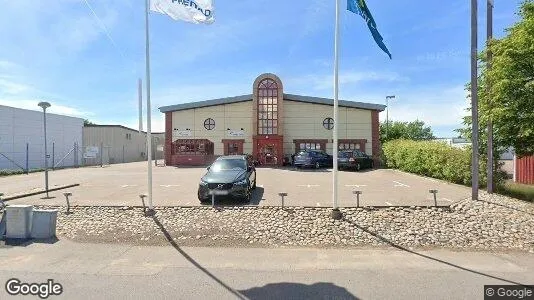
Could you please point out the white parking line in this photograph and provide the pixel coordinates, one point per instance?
(318, 204)
(260, 185)
(308, 185)
(400, 184)
(355, 185)
(387, 203)
(447, 199)
(128, 185)
(169, 185)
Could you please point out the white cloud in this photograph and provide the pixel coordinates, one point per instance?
(9, 87)
(436, 106)
(55, 108)
(325, 82)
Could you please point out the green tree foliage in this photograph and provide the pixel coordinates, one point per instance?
(510, 103)
(86, 122)
(415, 130)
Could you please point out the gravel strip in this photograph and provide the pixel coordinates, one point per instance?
(495, 223)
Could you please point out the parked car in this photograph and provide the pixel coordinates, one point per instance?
(234, 174)
(313, 158)
(354, 160)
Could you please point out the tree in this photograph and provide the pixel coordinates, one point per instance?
(86, 122)
(415, 130)
(510, 103)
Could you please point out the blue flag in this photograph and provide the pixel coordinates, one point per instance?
(360, 7)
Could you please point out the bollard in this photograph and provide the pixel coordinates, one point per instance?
(143, 196)
(67, 195)
(214, 193)
(357, 193)
(282, 195)
(435, 199)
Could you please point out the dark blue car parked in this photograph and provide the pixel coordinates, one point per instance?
(313, 158)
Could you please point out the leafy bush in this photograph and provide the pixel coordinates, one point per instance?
(432, 159)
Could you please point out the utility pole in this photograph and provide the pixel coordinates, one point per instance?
(488, 85)
(44, 106)
(474, 99)
(387, 113)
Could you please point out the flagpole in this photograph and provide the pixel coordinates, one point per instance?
(148, 112)
(336, 214)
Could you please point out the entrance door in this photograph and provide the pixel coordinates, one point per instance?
(268, 155)
(269, 151)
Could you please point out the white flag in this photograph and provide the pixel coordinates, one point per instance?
(193, 11)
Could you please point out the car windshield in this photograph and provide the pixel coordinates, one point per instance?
(345, 154)
(302, 153)
(228, 164)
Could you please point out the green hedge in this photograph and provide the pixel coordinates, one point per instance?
(432, 159)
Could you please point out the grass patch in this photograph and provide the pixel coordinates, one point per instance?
(4, 173)
(517, 190)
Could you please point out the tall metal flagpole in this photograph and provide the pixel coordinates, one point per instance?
(140, 96)
(148, 111)
(474, 99)
(336, 214)
(488, 86)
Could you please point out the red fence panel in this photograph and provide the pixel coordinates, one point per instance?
(524, 170)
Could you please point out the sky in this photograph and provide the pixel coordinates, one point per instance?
(85, 57)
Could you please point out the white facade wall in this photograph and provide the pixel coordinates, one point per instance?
(301, 121)
(234, 116)
(21, 126)
(305, 121)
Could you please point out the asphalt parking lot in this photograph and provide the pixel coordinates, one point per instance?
(121, 185)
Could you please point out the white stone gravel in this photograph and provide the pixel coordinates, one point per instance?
(496, 223)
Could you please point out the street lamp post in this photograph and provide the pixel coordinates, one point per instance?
(44, 106)
(387, 113)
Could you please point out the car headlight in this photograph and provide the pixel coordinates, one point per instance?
(203, 183)
(242, 182)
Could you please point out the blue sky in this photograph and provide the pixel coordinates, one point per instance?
(88, 66)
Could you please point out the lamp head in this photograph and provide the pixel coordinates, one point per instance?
(44, 105)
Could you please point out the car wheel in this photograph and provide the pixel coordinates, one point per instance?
(317, 165)
(202, 200)
(358, 167)
(372, 164)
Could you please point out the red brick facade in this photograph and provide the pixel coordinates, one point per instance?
(375, 142)
(168, 138)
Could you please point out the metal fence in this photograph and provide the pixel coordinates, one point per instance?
(31, 157)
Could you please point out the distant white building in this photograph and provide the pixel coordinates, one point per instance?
(22, 139)
(455, 142)
(118, 144)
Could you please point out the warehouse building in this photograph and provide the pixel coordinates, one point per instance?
(268, 124)
(111, 144)
(22, 139)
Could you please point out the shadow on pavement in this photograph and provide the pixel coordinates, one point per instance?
(288, 290)
(255, 199)
(194, 262)
(25, 242)
(385, 240)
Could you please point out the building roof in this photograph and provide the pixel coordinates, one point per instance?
(289, 97)
(121, 126)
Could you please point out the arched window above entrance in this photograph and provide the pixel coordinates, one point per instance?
(268, 100)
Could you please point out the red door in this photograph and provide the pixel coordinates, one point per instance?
(269, 152)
